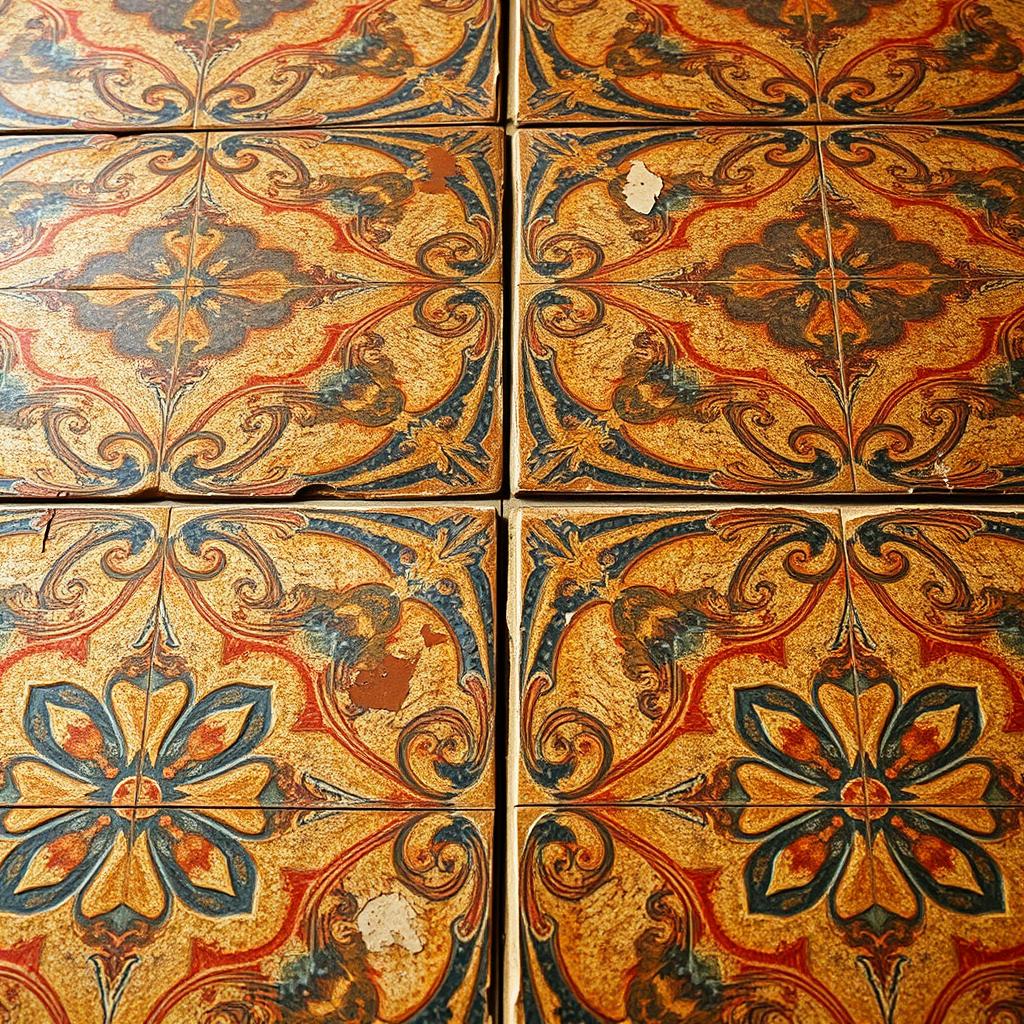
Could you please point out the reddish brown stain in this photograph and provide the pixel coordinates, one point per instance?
(384, 686)
(442, 165)
(431, 637)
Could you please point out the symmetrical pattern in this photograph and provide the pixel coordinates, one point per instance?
(242, 756)
(221, 63)
(768, 765)
(251, 314)
(774, 60)
(793, 309)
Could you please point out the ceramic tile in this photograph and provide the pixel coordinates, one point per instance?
(703, 60)
(83, 394)
(94, 211)
(78, 588)
(724, 204)
(125, 64)
(699, 386)
(949, 915)
(356, 390)
(938, 593)
(317, 657)
(627, 912)
(320, 208)
(209, 915)
(903, 61)
(934, 372)
(683, 656)
(310, 62)
(915, 201)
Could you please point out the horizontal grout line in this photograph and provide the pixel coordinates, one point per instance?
(361, 808)
(697, 805)
(508, 124)
(641, 123)
(336, 126)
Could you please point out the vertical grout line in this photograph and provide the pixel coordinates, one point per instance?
(834, 300)
(184, 296)
(154, 648)
(512, 954)
(813, 63)
(862, 748)
(501, 839)
(210, 12)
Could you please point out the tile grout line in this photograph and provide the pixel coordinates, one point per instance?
(180, 330)
(862, 755)
(153, 651)
(834, 304)
(201, 84)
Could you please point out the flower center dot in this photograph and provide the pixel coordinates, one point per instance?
(865, 799)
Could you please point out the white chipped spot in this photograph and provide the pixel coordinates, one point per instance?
(389, 920)
(642, 187)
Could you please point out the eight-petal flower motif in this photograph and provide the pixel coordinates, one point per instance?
(129, 840)
(878, 833)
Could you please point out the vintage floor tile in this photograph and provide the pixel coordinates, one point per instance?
(705, 60)
(354, 390)
(322, 207)
(314, 657)
(102, 64)
(948, 919)
(684, 204)
(679, 386)
(641, 914)
(310, 62)
(916, 201)
(683, 656)
(210, 915)
(83, 394)
(636, 913)
(939, 594)
(78, 592)
(935, 371)
(902, 61)
(94, 211)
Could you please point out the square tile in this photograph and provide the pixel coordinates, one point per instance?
(201, 918)
(624, 912)
(356, 390)
(702, 60)
(84, 390)
(677, 204)
(311, 62)
(319, 657)
(630, 913)
(682, 656)
(948, 916)
(679, 386)
(911, 201)
(935, 376)
(939, 596)
(124, 64)
(78, 592)
(95, 211)
(319, 208)
(905, 61)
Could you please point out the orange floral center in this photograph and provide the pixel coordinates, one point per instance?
(865, 799)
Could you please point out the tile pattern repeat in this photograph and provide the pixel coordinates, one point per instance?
(769, 764)
(247, 762)
(131, 64)
(251, 314)
(798, 309)
(777, 60)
